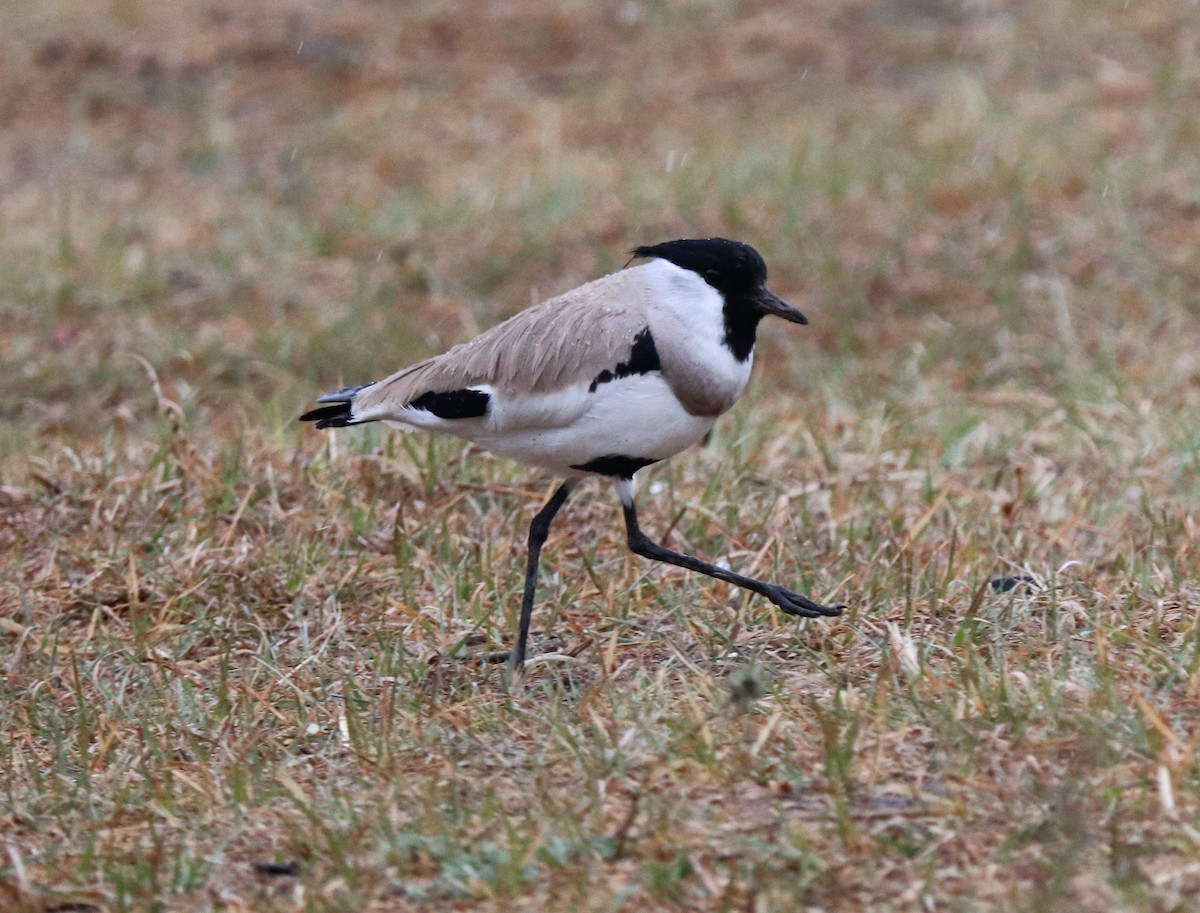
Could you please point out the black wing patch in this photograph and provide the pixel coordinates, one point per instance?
(616, 465)
(454, 403)
(643, 358)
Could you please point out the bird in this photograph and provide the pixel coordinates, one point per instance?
(601, 381)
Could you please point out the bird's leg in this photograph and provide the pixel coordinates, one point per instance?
(641, 544)
(539, 529)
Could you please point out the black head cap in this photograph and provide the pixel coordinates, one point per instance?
(731, 267)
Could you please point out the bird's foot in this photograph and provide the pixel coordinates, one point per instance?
(495, 657)
(797, 604)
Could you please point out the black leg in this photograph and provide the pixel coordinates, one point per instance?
(539, 529)
(791, 603)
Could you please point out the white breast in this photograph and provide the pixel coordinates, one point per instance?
(634, 416)
(687, 319)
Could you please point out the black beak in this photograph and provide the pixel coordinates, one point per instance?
(770, 303)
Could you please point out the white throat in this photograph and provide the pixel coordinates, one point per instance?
(699, 306)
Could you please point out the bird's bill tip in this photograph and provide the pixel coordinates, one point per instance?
(771, 304)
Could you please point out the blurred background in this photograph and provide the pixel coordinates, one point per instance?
(265, 200)
(229, 641)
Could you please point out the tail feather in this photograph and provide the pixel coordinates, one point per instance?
(343, 395)
(337, 416)
(339, 413)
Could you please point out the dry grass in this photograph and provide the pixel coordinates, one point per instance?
(233, 648)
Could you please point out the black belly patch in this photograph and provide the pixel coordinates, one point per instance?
(454, 403)
(643, 358)
(616, 465)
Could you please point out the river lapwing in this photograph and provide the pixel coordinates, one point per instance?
(603, 380)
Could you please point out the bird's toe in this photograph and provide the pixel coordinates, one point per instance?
(800, 605)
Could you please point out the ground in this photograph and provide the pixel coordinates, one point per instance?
(237, 667)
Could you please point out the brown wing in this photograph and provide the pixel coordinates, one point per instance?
(567, 339)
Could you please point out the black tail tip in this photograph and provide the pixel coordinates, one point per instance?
(338, 415)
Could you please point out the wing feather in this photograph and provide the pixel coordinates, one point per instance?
(564, 340)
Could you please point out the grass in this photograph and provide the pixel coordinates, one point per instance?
(237, 668)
